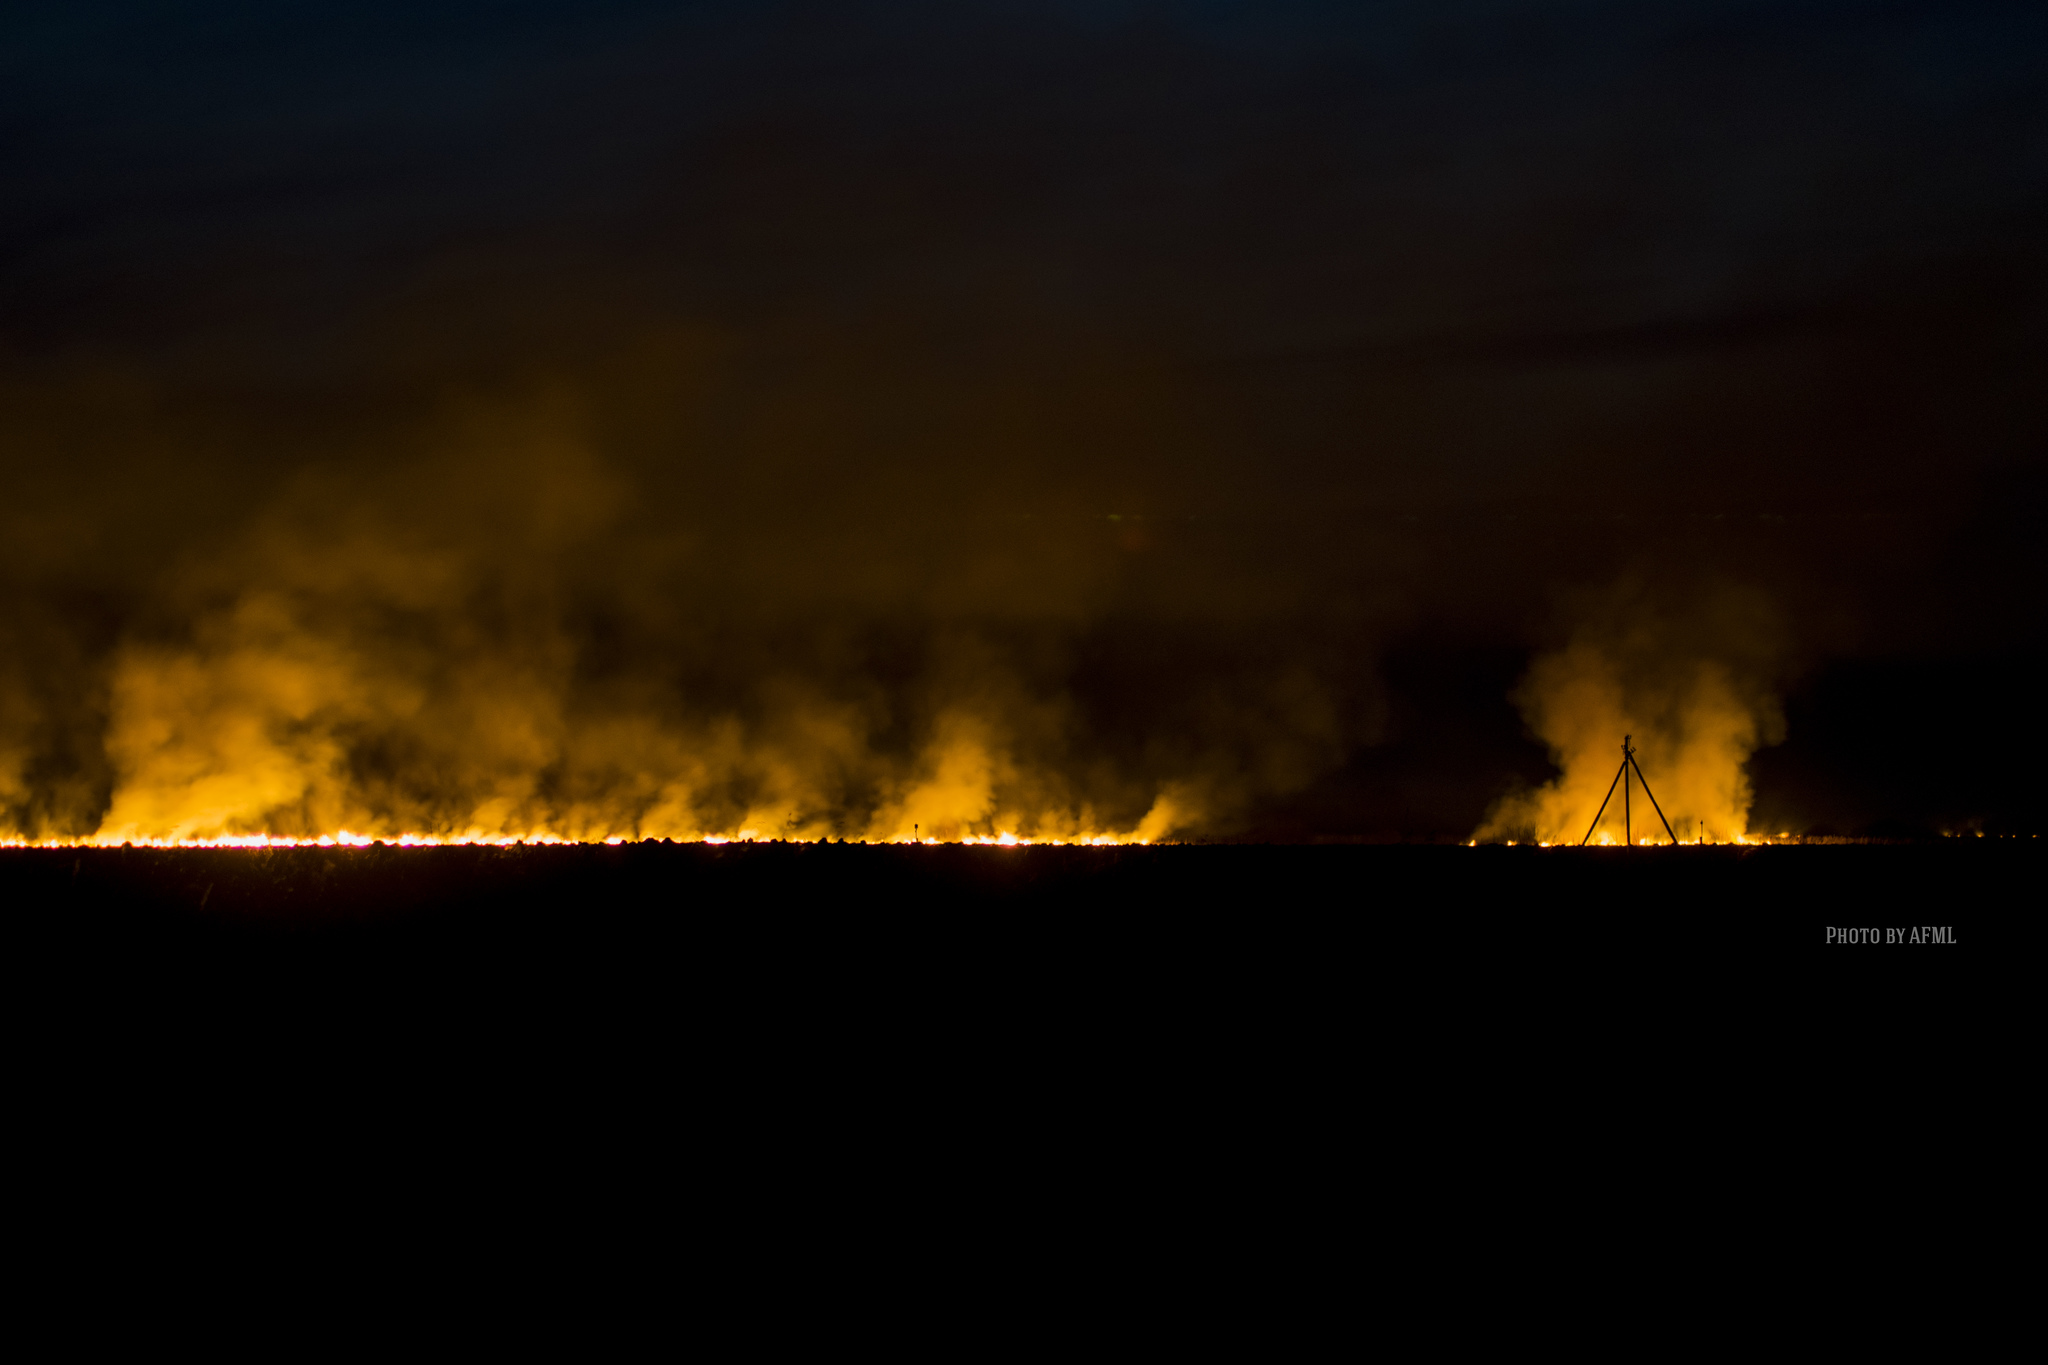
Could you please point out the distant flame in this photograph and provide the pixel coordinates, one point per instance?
(1695, 691)
(347, 839)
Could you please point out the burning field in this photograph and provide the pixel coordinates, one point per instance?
(611, 457)
(837, 638)
(506, 637)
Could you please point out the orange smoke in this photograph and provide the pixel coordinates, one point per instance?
(417, 655)
(1693, 686)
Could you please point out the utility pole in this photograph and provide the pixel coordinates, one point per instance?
(1621, 779)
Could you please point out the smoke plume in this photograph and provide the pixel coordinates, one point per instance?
(500, 625)
(1693, 681)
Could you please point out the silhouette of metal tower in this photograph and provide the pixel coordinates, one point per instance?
(1628, 761)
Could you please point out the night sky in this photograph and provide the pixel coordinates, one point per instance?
(1197, 420)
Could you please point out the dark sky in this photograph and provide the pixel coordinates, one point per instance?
(743, 348)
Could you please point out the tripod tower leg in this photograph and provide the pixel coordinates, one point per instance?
(1603, 806)
(1653, 800)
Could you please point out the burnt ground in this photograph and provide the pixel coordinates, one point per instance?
(780, 1011)
(585, 930)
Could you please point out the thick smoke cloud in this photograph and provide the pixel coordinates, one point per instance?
(498, 626)
(1696, 684)
(974, 418)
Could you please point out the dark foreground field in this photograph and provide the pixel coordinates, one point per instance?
(646, 925)
(821, 1037)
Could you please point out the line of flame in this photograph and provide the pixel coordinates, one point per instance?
(347, 839)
